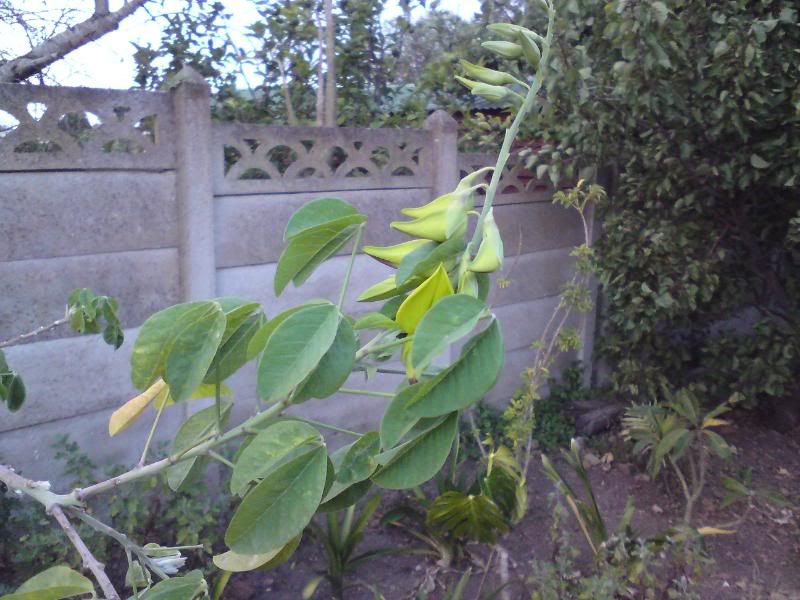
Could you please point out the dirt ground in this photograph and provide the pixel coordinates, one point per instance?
(761, 560)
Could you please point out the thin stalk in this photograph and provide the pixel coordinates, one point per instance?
(328, 426)
(89, 561)
(38, 331)
(511, 133)
(219, 458)
(485, 573)
(200, 449)
(366, 348)
(349, 272)
(218, 399)
(151, 434)
(121, 539)
(394, 343)
(359, 392)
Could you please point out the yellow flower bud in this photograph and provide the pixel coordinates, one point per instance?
(485, 75)
(490, 254)
(437, 227)
(503, 49)
(394, 255)
(529, 49)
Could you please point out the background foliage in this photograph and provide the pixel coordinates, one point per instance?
(696, 105)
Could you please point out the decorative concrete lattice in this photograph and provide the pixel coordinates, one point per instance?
(79, 128)
(266, 159)
(516, 180)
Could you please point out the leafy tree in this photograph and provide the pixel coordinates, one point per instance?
(696, 105)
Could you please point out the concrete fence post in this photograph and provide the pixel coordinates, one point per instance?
(194, 185)
(444, 151)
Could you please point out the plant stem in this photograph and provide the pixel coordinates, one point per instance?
(89, 561)
(358, 392)
(81, 494)
(367, 348)
(122, 539)
(151, 434)
(327, 426)
(38, 490)
(38, 331)
(511, 132)
(349, 272)
(218, 399)
(219, 458)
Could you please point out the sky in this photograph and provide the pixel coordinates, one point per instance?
(107, 63)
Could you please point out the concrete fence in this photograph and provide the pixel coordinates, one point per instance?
(141, 196)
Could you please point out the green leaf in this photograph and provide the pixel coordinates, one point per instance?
(417, 460)
(232, 354)
(316, 213)
(196, 428)
(464, 382)
(236, 310)
(307, 250)
(53, 584)
(279, 507)
(467, 516)
(271, 448)
(672, 439)
(334, 368)
(423, 261)
(375, 320)
(260, 338)
(189, 587)
(757, 162)
(295, 348)
(178, 344)
(358, 462)
(239, 563)
(448, 320)
(341, 496)
(718, 444)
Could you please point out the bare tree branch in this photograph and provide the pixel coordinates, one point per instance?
(89, 561)
(61, 44)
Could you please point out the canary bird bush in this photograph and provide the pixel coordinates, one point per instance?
(282, 473)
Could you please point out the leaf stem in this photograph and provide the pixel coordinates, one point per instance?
(359, 392)
(219, 458)
(151, 434)
(202, 448)
(328, 426)
(349, 272)
(398, 342)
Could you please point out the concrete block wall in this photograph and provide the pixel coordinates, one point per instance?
(160, 205)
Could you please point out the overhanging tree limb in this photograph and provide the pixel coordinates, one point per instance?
(41, 56)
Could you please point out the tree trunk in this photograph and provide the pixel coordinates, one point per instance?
(287, 94)
(330, 76)
(61, 44)
(320, 104)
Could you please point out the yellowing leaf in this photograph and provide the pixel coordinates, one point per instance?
(158, 394)
(715, 531)
(712, 422)
(429, 292)
(127, 414)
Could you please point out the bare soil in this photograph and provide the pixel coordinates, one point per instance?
(761, 560)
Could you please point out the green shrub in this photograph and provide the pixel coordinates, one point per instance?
(696, 106)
